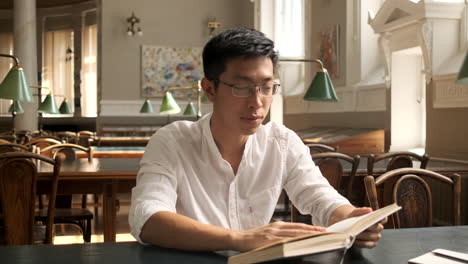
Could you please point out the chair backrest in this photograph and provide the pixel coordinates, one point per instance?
(7, 138)
(320, 148)
(68, 150)
(22, 136)
(43, 142)
(12, 147)
(410, 190)
(18, 179)
(400, 159)
(85, 138)
(66, 136)
(331, 166)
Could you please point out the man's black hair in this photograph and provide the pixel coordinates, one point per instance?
(233, 43)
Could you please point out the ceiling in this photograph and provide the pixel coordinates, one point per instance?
(8, 4)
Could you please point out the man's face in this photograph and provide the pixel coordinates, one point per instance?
(241, 115)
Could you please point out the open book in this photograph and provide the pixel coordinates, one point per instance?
(340, 235)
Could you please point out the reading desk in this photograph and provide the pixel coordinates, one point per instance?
(396, 246)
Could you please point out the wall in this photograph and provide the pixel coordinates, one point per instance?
(176, 23)
(446, 127)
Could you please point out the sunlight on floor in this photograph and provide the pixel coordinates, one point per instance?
(61, 240)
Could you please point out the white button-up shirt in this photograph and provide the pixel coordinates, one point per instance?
(182, 171)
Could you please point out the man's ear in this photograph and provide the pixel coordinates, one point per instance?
(209, 89)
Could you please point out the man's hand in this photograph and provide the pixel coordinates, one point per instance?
(369, 237)
(247, 240)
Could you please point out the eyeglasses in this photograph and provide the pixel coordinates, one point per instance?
(246, 90)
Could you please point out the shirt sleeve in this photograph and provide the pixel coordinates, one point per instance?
(156, 185)
(305, 185)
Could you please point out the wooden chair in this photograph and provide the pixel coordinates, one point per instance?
(12, 147)
(401, 159)
(320, 148)
(8, 138)
(64, 213)
(85, 138)
(288, 208)
(331, 166)
(68, 149)
(412, 192)
(66, 136)
(18, 178)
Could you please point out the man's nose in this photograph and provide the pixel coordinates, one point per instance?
(255, 98)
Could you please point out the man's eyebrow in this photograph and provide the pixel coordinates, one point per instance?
(246, 78)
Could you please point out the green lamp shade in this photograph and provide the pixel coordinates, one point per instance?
(48, 105)
(190, 110)
(15, 86)
(321, 88)
(169, 105)
(146, 107)
(463, 74)
(204, 98)
(65, 108)
(16, 107)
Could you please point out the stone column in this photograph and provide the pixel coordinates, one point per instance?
(77, 40)
(24, 29)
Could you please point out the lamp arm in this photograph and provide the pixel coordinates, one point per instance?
(11, 57)
(322, 69)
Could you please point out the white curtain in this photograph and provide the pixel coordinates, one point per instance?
(89, 72)
(289, 28)
(6, 47)
(57, 65)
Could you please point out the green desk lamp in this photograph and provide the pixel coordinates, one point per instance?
(15, 86)
(190, 110)
(169, 106)
(48, 105)
(65, 108)
(463, 74)
(16, 107)
(146, 108)
(321, 88)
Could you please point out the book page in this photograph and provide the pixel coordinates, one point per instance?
(356, 225)
(451, 254)
(434, 258)
(287, 240)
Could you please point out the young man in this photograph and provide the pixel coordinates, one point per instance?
(213, 184)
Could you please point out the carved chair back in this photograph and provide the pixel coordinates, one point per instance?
(412, 192)
(18, 180)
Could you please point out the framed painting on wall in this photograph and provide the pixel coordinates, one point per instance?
(329, 48)
(164, 67)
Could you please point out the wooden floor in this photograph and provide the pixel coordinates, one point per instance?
(70, 234)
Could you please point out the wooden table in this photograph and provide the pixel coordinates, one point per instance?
(109, 176)
(114, 152)
(101, 176)
(396, 246)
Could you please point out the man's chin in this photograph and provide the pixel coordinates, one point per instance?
(249, 131)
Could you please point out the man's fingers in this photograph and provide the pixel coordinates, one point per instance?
(360, 211)
(300, 226)
(369, 236)
(365, 243)
(375, 228)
